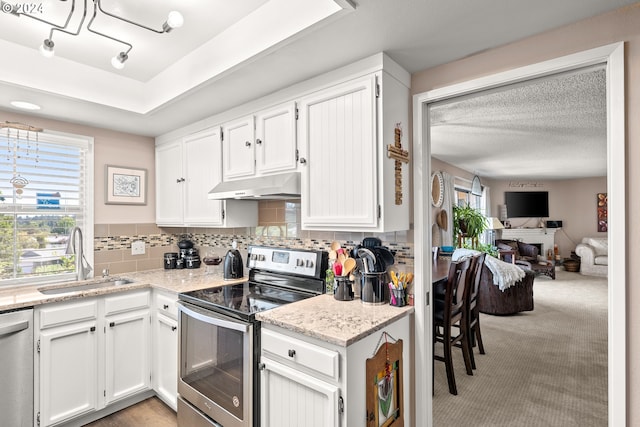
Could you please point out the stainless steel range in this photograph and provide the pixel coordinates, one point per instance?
(218, 382)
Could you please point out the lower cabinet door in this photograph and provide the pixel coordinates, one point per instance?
(292, 398)
(166, 360)
(127, 363)
(68, 372)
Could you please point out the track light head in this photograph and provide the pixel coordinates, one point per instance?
(46, 49)
(174, 20)
(118, 61)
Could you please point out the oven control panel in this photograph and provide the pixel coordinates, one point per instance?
(288, 261)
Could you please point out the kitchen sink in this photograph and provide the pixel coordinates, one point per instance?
(56, 289)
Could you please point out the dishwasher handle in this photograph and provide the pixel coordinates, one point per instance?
(14, 327)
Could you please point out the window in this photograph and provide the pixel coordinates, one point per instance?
(45, 191)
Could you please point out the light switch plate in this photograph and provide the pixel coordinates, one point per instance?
(137, 247)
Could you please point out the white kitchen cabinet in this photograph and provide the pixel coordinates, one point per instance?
(238, 149)
(348, 182)
(169, 184)
(275, 146)
(90, 354)
(66, 362)
(308, 382)
(127, 345)
(292, 398)
(165, 348)
(261, 144)
(186, 171)
(299, 383)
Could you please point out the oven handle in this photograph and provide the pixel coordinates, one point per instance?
(208, 316)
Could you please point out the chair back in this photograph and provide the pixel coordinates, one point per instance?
(475, 276)
(454, 297)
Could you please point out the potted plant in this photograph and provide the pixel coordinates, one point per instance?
(468, 223)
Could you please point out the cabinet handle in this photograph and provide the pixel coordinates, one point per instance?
(112, 324)
(292, 353)
(166, 306)
(258, 141)
(92, 329)
(173, 328)
(247, 143)
(303, 160)
(179, 180)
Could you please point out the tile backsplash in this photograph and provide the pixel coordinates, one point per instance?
(279, 225)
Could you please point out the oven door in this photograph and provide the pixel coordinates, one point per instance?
(215, 363)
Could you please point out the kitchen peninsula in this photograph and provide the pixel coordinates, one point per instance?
(349, 332)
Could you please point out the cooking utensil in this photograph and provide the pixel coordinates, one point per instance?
(348, 265)
(335, 246)
(385, 254)
(337, 269)
(369, 259)
(371, 242)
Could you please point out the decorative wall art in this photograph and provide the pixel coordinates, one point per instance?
(384, 388)
(603, 223)
(125, 186)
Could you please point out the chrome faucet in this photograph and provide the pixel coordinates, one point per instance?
(82, 266)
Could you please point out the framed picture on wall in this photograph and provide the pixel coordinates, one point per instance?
(603, 223)
(125, 186)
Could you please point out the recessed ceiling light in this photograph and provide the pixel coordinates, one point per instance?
(24, 105)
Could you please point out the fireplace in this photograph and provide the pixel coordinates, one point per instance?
(543, 238)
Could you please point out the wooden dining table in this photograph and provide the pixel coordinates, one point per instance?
(440, 270)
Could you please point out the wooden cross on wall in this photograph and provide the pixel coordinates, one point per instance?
(401, 156)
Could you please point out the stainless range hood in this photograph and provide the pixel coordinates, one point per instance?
(272, 187)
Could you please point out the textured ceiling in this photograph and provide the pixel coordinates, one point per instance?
(551, 128)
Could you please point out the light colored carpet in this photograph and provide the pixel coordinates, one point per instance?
(546, 367)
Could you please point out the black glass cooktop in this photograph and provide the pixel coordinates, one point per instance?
(242, 300)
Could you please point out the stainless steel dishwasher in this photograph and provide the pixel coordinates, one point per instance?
(16, 368)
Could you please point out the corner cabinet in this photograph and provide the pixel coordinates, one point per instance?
(260, 144)
(348, 182)
(307, 382)
(165, 347)
(186, 170)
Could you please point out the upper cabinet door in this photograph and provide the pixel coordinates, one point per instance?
(276, 139)
(338, 158)
(238, 149)
(203, 171)
(169, 184)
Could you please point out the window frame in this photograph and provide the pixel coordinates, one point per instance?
(86, 143)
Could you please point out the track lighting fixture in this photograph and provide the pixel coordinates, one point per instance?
(174, 20)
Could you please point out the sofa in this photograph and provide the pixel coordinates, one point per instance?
(514, 299)
(593, 253)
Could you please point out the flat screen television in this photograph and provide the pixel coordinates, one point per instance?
(527, 204)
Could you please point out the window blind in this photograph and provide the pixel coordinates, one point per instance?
(42, 197)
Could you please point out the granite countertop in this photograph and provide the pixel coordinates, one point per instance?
(169, 280)
(323, 317)
(338, 322)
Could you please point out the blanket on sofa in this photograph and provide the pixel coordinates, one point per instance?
(505, 275)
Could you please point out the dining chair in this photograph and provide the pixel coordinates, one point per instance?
(448, 315)
(472, 311)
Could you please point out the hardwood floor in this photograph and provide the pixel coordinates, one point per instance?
(148, 413)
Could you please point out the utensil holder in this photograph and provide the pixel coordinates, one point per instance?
(343, 289)
(398, 297)
(374, 288)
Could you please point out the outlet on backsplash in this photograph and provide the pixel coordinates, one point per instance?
(137, 247)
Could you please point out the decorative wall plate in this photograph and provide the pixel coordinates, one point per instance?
(437, 189)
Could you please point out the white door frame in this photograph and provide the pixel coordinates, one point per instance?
(613, 56)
